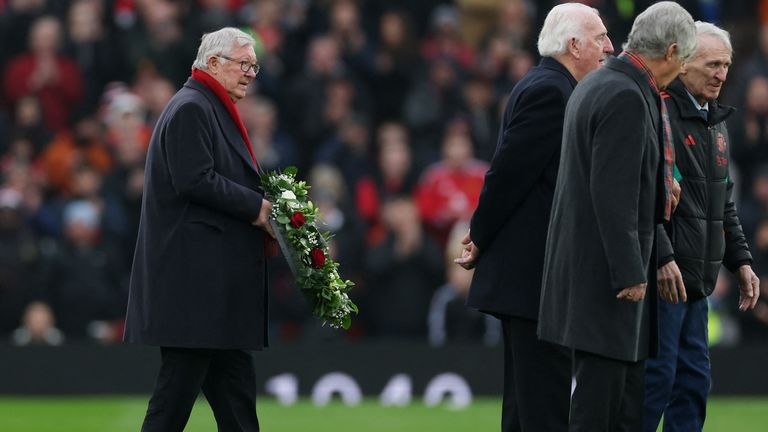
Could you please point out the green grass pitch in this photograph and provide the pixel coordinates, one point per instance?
(118, 414)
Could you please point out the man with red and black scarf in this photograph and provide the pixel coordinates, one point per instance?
(614, 186)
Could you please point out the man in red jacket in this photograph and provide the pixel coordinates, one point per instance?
(42, 72)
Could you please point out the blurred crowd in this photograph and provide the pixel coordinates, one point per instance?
(390, 109)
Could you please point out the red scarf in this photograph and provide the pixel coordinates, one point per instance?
(667, 144)
(270, 246)
(221, 93)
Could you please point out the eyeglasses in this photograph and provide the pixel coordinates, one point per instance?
(244, 65)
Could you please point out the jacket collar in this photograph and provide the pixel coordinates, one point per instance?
(552, 64)
(227, 125)
(717, 113)
(652, 98)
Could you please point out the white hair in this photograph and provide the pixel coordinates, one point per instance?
(661, 25)
(560, 26)
(220, 42)
(709, 29)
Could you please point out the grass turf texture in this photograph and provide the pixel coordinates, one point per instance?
(118, 414)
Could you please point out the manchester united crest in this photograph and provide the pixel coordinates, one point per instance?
(721, 144)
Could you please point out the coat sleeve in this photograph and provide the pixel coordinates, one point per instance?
(736, 249)
(189, 154)
(665, 250)
(615, 182)
(530, 138)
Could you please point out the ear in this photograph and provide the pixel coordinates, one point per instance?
(671, 52)
(683, 69)
(573, 48)
(213, 64)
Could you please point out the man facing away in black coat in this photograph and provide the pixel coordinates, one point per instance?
(506, 240)
(614, 186)
(198, 287)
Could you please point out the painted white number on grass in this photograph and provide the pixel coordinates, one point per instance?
(336, 383)
(397, 392)
(285, 387)
(451, 386)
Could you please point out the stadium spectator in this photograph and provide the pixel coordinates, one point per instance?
(393, 175)
(449, 189)
(349, 149)
(404, 268)
(42, 71)
(481, 111)
(449, 320)
(84, 278)
(69, 150)
(274, 149)
(38, 327)
(92, 47)
(395, 64)
(446, 39)
(19, 255)
(431, 103)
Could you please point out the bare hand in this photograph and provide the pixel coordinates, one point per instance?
(263, 220)
(749, 288)
(676, 191)
(469, 253)
(634, 293)
(671, 287)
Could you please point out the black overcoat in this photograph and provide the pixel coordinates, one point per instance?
(510, 223)
(601, 232)
(199, 273)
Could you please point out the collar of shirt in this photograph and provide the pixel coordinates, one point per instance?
(696, 103)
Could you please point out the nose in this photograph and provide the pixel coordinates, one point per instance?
(721, 74)
(607, 46)
(250, 74)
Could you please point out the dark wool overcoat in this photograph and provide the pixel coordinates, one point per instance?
(510, 223)
(199, 273)
(606, 206)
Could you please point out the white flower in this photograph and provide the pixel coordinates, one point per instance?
(289, 195)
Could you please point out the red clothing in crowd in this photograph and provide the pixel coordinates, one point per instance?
(446, 195)
(57, 100)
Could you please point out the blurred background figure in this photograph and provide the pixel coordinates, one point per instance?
(38, 327)
(449, 319)
(84, 279)
(405, 267)
(393, 175)
(449, 189)
(43, 71)
(274, 149)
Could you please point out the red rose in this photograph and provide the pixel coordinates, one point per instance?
(297, 220)
(318, 257)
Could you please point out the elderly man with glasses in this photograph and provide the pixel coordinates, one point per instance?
(199, 282)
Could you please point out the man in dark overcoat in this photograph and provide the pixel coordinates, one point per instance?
(509, 227)
(198, 287)
(614, 185)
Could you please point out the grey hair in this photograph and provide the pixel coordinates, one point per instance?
(709, 29)
(220, 42)
(559, 27)
(661, 25)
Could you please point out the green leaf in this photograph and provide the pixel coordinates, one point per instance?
(291, 170)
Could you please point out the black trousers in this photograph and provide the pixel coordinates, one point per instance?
(537, 380)
(608, 396)
(226, 377)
